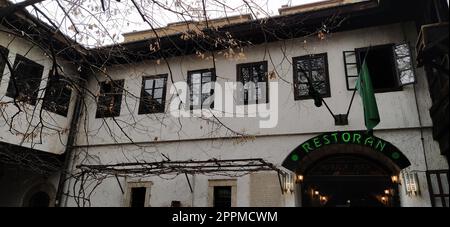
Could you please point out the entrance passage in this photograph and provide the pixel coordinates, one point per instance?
(348, 181)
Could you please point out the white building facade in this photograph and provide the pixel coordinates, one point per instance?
(129, 147)
(403, 113)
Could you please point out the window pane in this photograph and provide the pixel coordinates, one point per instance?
(434, 184)
(352, 70)
(352, 82)
(148, 83)
(206, 79)
(158, 93)
(207, 74)
(245, 74)
(302, 78)
(402, 50)
(303, 89)
(149, 92)
(196, 88)
(438, 202)
(302, 66)
(159, 83)
(206, 88)
(404, 63)
(222, 196)
(196, 100)
(138, 197)
(317, 63)
(195, 78)
(444, 182)
(204, 97)
(159, 101)
(320, 87)
(407, 77)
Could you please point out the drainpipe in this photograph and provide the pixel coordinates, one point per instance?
(70, 141)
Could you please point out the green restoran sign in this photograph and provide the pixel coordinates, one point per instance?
(345, 137)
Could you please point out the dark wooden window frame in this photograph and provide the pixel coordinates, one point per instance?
(441, 194)
(4, 53)
(57, 103)
(295, 72)
(238, 79)
(11, 90)
(142, 104)
(213, 80)
(359, 61)
(116, 102)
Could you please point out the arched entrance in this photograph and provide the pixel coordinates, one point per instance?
(348, 180)
(344, 169)
(42, 194)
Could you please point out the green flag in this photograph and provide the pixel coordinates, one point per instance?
(365, 89)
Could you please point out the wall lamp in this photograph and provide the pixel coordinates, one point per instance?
(298, 179)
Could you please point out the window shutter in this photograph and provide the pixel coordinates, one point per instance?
(404, 65)
(351, 69)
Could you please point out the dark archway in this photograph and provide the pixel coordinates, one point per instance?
(348, 180)
(42, 194)
(349, 168)
(39, 199)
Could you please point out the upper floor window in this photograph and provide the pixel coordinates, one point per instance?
(311, 70)
(25, 80)
(3, 58)
(57, 95)
(390, 66)
(253, 77)
(201, 88)
(153, 94)
(110, 99)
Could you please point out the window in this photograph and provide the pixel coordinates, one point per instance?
(138, 194)
(3, 58)
(253, 77)
(138, 197)
(390, 66)
(200, 88)
(222, 193)
(222, 196)
(438, 187)
(25, 80)
(110, 99)
(153, 94)
(311, 69)
(57, 95)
